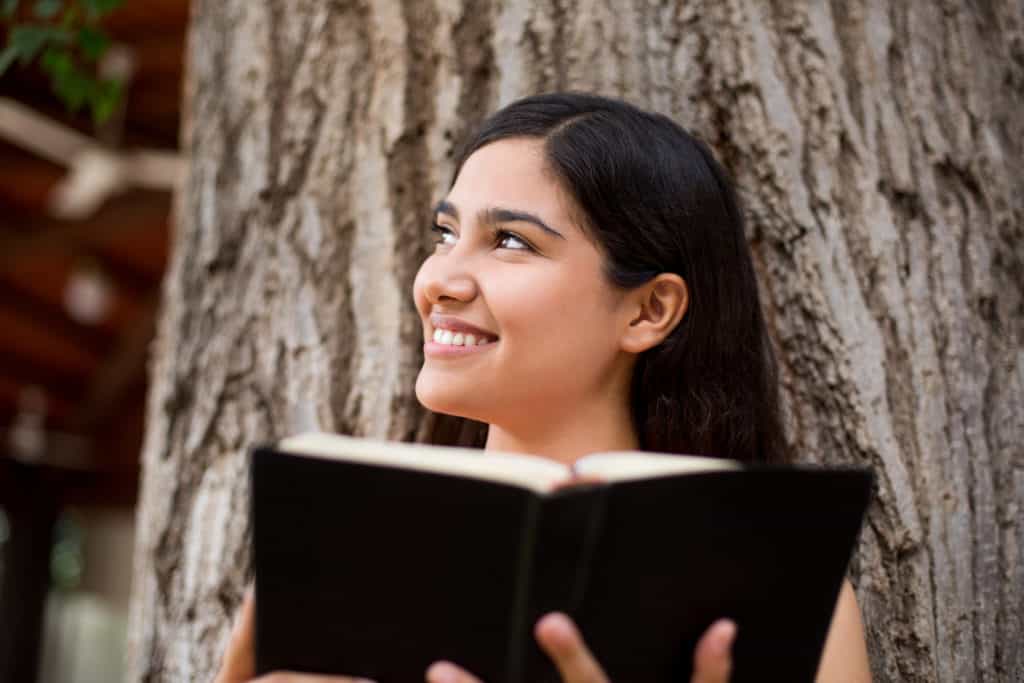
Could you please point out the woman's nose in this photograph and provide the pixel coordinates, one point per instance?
(448, 282)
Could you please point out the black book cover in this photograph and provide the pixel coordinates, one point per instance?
(767, 548)
(379, 571)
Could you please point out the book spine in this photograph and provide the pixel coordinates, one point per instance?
(569, 529)
(592, 535)
(519, 629)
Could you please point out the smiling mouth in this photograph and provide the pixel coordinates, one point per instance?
(453, 338)
(450, 332)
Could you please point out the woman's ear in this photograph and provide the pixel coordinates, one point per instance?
(655, 309)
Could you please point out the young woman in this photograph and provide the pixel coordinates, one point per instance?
(592, 290)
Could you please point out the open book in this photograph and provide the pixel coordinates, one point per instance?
(376, 559)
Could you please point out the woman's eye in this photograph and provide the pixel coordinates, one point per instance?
(444, 235)
(510, 240)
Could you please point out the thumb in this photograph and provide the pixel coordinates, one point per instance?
(712, 662)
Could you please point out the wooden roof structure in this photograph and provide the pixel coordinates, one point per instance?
(81, 383)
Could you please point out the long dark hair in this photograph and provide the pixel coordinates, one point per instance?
(654, 200)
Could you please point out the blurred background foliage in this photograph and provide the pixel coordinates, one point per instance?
(67, 41)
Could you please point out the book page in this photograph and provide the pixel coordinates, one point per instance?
(526, 471)
(627, 465)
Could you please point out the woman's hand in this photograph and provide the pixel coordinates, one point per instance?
(555, 632)
(559, 637)
(239, 663)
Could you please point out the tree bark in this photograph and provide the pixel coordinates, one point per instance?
(878, 148)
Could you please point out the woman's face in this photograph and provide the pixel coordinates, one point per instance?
(514, 276)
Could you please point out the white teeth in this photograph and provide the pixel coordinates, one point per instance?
(450, 338)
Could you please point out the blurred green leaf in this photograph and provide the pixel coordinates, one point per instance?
(73, 88)
(47, 9)
(93, 42)
(66, 554)
(66, 566)
(28, 39)
(106, 97)
(70, 47)
(70, 18)
(97, 8)
(7, 58)
(57, 62)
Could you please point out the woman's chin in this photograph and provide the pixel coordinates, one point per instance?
(441, 395)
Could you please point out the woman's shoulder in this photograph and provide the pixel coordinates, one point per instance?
(845, 657)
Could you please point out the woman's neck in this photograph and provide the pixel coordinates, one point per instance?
(587, 429)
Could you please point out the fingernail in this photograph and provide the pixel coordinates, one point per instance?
(442, 672)
(555, 625)
(725, 633)
(557, 618)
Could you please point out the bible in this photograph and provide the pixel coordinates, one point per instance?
(375, 559)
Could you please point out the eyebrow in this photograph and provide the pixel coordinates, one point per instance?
(499, 215)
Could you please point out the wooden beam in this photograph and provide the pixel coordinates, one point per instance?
(133, 19)
(17, 299)
(25, 179)
(58, 407)
(133, 266)
(30, 341)
(135, 210)
(33, 89)
(59, 384)
(160, 58)
(119, 372)
(133, 279)
(153, 102)
(136, 260)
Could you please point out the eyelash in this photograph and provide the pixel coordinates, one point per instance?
(500, 236)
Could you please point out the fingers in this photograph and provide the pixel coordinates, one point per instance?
(239, 663)
(712, 661)
(446, 672)
(561, 640)
(291, 677)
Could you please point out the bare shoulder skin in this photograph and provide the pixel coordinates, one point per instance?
(846, 655)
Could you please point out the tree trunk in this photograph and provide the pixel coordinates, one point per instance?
(877, 145)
